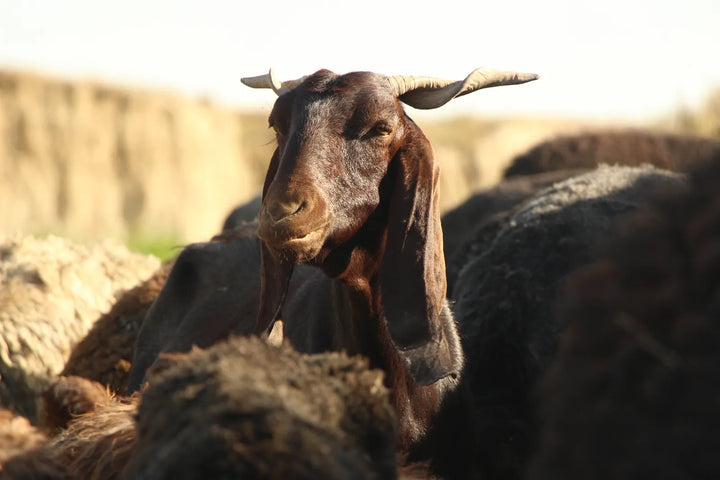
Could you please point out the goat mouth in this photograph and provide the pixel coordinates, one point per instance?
(297, 249)
(308, 237)
(280, 238)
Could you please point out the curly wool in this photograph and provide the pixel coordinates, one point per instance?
(51, 292)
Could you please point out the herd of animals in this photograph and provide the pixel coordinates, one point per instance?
(561, 325)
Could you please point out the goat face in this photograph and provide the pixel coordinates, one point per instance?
(336, 136)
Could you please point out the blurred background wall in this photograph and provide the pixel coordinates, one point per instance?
(91, 160)
(129, 121)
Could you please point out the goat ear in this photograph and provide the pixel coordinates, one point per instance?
(412, 275)
(274, 280)
(274, 275)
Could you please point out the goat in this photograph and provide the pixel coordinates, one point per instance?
(626, 147)
(350, 203)
(504, 296)
(633, 391)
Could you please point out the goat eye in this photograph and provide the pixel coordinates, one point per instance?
(382, 129)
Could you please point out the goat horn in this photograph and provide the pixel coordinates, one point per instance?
(270, 81)
(430, 92)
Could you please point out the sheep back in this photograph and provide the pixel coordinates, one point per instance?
(625, 147)
(486, 210)
(249, 409)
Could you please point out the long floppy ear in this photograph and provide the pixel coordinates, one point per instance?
(274, 275)
(412, 275)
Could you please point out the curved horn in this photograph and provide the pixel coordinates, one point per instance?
(270, 81)
(430, 92)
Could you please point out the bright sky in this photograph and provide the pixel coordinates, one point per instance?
(619, 58)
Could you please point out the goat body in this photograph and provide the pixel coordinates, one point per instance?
(211, 293)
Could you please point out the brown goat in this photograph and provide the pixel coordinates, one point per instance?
(351, 191)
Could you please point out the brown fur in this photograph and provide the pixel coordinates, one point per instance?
(67, 398)
(352, 190)
(17, 435)
(634, 390)
(106, 352)
(242, 409)
(629, 147)
(95, 443)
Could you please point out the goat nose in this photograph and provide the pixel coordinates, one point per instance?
(280, 210)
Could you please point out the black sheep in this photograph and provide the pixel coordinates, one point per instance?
(634, 392)
(504, 295)
(624, 147)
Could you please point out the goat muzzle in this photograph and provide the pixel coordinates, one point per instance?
(294, 229)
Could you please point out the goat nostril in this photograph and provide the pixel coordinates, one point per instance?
(278, 211)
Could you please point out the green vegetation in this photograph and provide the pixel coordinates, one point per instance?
(165, 247)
